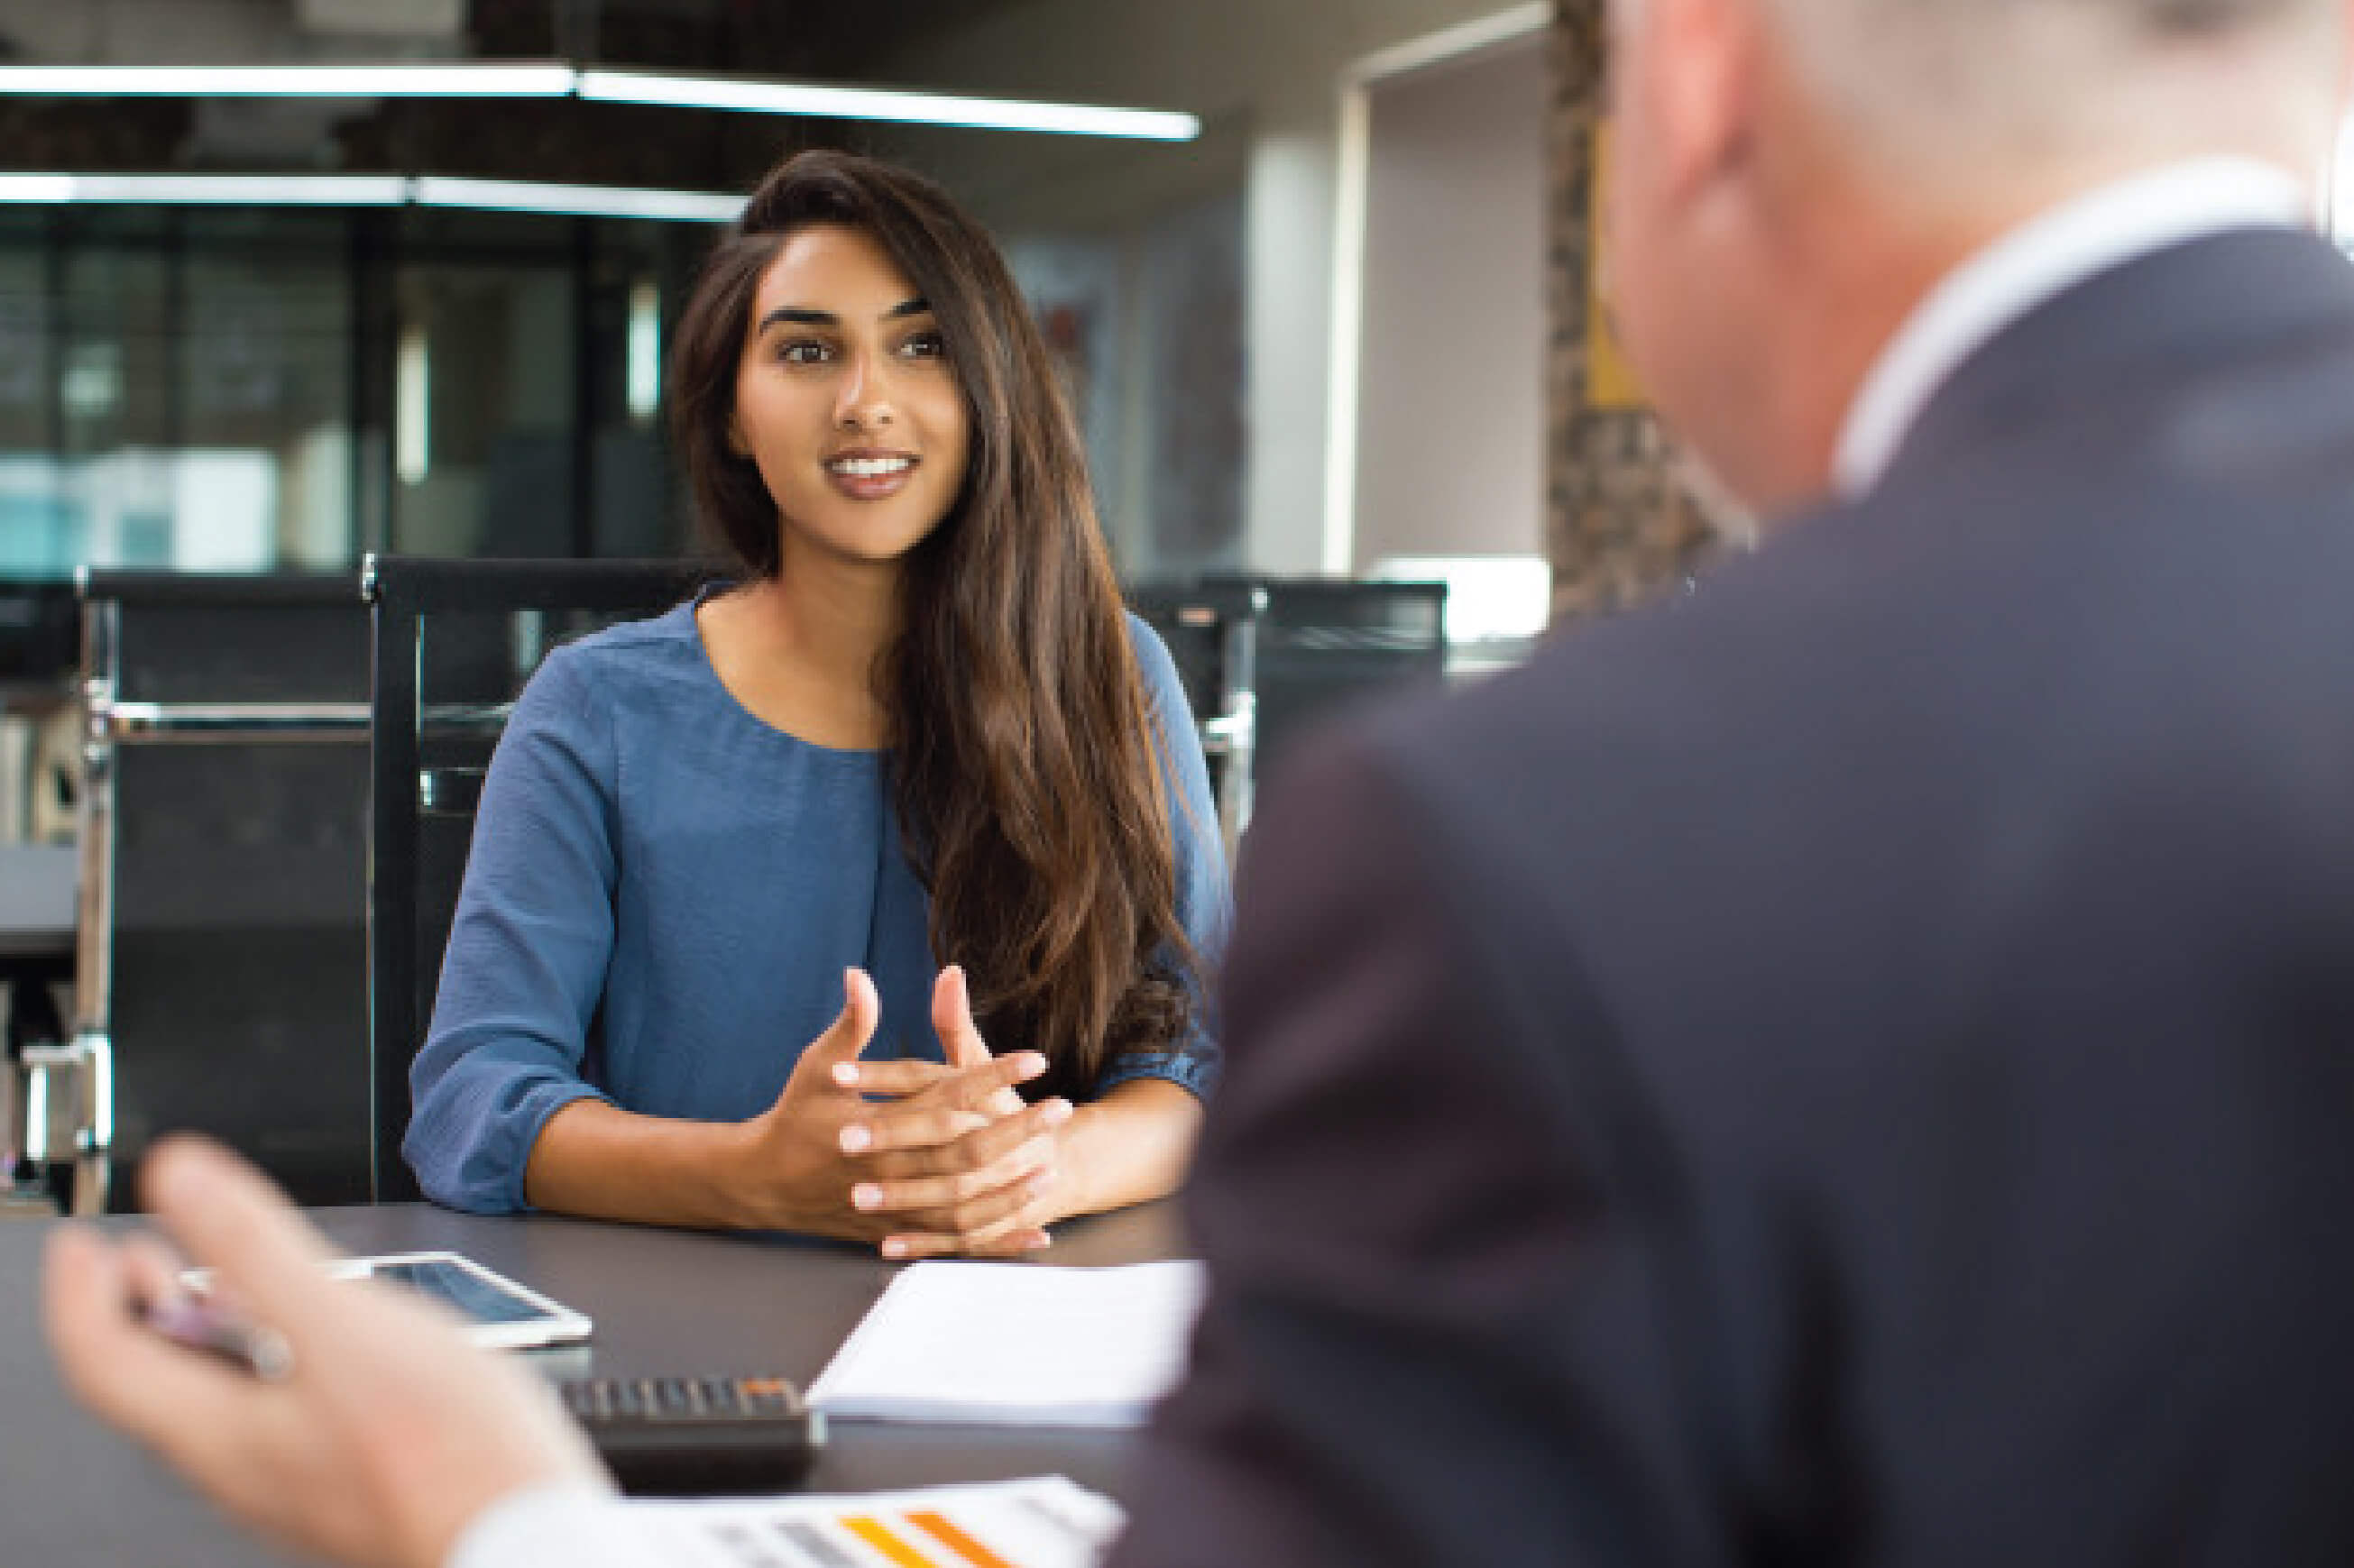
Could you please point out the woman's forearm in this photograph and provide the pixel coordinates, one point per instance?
(597, 1159)
(1132, 1145)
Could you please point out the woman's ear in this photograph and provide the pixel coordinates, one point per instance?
(735, 442)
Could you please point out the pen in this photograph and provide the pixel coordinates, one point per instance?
(251, 1348)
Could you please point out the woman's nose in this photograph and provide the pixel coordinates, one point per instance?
(864, 401)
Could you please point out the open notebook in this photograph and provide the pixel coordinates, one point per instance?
(1016, 1344)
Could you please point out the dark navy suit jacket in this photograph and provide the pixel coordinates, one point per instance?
(1856, 1066)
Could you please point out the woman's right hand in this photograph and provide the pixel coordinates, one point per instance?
(798, 1171)
(959, 1164)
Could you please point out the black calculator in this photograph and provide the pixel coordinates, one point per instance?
(679, 1436)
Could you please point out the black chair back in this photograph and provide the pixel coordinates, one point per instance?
(1325, 646)
(454, 641)
(39, 633)
(1264, 660)
(221, 971)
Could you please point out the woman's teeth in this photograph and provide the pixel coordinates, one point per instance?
(870, 468)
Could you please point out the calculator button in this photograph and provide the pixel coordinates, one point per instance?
(768, 1394)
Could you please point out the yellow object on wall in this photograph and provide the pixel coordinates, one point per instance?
(1610, 381)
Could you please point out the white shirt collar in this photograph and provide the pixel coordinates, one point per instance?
(2036, 262)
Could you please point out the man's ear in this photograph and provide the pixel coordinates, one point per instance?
(1706, 57)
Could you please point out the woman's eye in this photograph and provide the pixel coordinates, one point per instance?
(926, 346)
(801, 351)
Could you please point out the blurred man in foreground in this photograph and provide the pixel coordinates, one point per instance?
(1854, 1069)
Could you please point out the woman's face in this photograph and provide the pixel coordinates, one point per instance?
(845, 399)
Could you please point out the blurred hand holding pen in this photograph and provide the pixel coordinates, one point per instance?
(200, 1325)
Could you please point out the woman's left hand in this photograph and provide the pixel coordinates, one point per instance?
(989, 1192)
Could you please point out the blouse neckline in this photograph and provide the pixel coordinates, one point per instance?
(708, 671)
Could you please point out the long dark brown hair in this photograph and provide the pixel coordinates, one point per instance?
(1030, 793)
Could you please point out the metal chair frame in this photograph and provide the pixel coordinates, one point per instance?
(1230, 734)
(109, 723)
(1249, 613)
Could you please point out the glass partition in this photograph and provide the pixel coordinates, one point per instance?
(241, 390)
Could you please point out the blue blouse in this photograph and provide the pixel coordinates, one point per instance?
(663, 892)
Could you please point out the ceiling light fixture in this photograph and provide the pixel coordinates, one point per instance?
(535, 79)
(454, 79)
(576, 201)
(747, 96)
(208, 190)
(370, 190)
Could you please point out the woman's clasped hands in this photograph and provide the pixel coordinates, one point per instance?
(924, 1158)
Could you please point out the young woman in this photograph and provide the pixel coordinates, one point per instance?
(774, 900)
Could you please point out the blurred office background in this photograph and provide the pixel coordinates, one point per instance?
(263, 383)
(1347, 328)
(1334, 337)
(1314, 335)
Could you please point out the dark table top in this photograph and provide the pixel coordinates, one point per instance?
(37, 900)
(664, 1301)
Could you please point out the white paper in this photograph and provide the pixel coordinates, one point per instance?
(1045, 1521)
(1017, 1344)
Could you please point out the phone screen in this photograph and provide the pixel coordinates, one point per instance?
(478, 1298)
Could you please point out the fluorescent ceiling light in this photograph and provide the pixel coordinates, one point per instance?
(881, 103)
(208, 190)
(456, 79)
(36, 188)
(529, 79)
(371, 190)
(244, 190)
(578, 201)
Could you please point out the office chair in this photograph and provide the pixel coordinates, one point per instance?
(454, 641)
(1326, 645)
(219, 968)
(1263, 659)
(39, 640)
(1211, 628)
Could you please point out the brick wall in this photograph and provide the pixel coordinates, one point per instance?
(1619, 525)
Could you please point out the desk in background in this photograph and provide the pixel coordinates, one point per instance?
(665, 1302)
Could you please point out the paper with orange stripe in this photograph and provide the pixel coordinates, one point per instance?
(957, 1538)
(1041, 1522)
(896, 1551)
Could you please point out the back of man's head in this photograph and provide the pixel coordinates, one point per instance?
(1792, 177)
(1964, 91)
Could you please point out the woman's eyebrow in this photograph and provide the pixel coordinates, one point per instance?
(802, 315)
(799, 316)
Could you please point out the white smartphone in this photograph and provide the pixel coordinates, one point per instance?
(500, 1314)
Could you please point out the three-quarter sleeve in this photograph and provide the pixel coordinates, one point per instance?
(1203, 896)
(526, 962)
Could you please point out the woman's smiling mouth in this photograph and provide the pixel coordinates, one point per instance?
(869, 475)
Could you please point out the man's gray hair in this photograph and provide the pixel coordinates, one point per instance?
(1941, 87)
